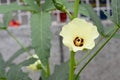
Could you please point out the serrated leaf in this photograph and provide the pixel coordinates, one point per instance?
(40, 27)
(116, 11)
(15, 73)
(7, 18)
(96, 20)
(61, 72)
(17, 54)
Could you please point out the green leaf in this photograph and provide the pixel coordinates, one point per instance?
(14, 6)
(2, 78)
(31, 4)
(61, 72)
(69, 5)
(48, 5)
(15, 73)
(109, 31)
(9, 8)
(95, 19)
(116, 11)
(27, 62)
(108, 15)
(40, 27)
(117, 35)
(7, 18)
(2, 66)
(2, 26)
(82, 10)
(17, 54)
(43, 76)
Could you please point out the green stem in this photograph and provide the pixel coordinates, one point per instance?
(88, 53)
(14, 37)
(70, 16)
(76, 7)
(48, 70)
(96, 52)
(72, 65)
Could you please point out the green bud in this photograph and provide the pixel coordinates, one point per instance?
(39, 66)
(60, 7)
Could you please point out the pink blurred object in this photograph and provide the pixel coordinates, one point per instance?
(14, 23)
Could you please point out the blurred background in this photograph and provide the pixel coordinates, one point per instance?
(105, 66)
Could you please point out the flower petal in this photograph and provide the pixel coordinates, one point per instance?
(81, 29)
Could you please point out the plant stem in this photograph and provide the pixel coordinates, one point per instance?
(72, 65)
(88, 53)
(70, 16)
(76, 7)
(97, 52)
(14, 37)
(48, 70)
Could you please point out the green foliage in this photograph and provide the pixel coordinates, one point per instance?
(49, 5)
(2, 78)
(27, 62)
(61, 72)
(117, 36)
(40, 27)
(9, 8)
(115, 11)
(94, 17)
(40, 33)
(2, 26)
(7, 18)
(15, 73)
(2, 65)
(82, 10)
(17, 54)
(31, 4)
(14, 7)
(14, 69)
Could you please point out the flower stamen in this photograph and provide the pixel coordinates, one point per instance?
(79, 42)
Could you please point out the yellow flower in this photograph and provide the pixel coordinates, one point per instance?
(35, 66)
(79, 34)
